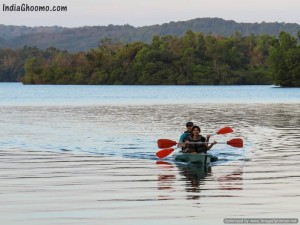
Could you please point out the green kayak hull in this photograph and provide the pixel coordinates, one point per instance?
(195, 158)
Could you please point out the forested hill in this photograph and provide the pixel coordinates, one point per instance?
(84, 38)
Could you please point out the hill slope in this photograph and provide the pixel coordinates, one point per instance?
(84, 38)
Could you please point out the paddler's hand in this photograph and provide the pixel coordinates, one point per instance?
(181, 145)
(207, 138)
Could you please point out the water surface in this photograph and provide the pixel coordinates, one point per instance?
(18, 94)
(75, 158)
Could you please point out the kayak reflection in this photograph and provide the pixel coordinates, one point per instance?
(194, 174)
(173, 176)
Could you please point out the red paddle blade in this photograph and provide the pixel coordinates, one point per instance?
(225, 130)
(164, 152)
(236, 142)
(165, 143)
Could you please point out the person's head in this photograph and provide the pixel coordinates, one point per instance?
(196, 130)
(189, 126)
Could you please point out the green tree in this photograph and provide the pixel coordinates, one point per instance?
(285, 61)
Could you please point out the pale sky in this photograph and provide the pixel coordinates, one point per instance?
(149, 12)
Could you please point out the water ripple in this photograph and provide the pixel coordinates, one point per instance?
(82, 165)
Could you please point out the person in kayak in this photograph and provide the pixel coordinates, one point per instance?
(192, 147)
(185, 135)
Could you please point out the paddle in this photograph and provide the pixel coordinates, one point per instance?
(166, 143)
(164, 152)
(235, 142)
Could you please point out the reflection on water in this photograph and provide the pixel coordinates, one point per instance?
(195, 177)
(193, 174)
(97, 165)
(232, 181)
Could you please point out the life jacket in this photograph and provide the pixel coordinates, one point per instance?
(199, 148)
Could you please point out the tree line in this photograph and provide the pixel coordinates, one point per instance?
(194, 58)
(12, 62)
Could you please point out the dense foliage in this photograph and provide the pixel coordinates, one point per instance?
(191, 59)
(285, 60)
(12, 61)
(85, 38)
(194, 58)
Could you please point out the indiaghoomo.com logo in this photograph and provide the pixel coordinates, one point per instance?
(33, 8)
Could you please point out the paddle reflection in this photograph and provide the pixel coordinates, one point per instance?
(233, 181)
(166, 179)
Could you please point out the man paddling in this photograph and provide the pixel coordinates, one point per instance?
(185, 135)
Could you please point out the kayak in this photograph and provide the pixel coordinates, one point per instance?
(195, 158)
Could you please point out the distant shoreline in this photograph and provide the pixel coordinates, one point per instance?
(193, 59)
(218, 85)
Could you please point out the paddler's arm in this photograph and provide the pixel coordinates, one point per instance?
(208, 147)
(181, 144)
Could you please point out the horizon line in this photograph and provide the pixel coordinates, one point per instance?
(127, 24)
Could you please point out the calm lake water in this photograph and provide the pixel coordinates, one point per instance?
(86, 154)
